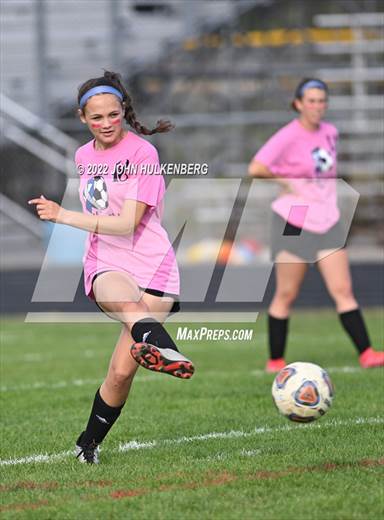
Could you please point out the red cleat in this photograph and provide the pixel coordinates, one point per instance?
(164, 360)
(275, 365)
(371, 358)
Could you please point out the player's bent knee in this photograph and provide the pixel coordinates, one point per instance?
(124, 312)
(288, 296)
(128, 307)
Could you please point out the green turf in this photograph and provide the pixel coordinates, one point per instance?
(267, 468)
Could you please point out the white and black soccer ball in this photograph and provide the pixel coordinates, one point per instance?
(323, 160)
(302, 392)
(96, 193)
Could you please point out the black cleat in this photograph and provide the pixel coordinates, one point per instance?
(88, 453)
(164, 360)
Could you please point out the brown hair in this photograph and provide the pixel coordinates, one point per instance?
(299, 91)
(114, 79)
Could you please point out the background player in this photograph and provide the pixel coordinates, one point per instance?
(306, 225)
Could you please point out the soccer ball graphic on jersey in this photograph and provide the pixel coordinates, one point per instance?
(323, 160)
(96, 194)
(302, 392)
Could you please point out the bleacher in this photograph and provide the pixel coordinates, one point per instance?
(223, 75)
(240, 93)
(50, 47)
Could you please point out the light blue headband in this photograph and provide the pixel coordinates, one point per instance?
(101, 89)
(313, 83)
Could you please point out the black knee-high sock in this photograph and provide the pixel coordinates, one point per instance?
(277, 335)
(100, 421)
(151, 331)
(353, 323)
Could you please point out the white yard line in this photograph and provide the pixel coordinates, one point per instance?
(212, 373)
(64, 384)
(232, 434)
(33, 459)
(43, 357)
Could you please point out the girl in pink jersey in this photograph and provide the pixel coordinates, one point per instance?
(301, 157)
(130, 268)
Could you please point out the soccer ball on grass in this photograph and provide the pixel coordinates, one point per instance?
(302, 392)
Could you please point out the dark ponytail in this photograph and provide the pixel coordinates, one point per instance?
(114, 80)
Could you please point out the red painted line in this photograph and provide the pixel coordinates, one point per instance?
(211, 480)
(25, 507)
(227, 478)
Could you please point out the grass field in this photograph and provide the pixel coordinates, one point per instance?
(212, 447)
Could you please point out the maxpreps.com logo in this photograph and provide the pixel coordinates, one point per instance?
(323, 160)
(96, 194)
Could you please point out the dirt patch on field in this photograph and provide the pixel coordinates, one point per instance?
(28, 484)
(210, 479)
(32, 485)
(227, 478)
(95, 483)
(25, 507)
(129, 493)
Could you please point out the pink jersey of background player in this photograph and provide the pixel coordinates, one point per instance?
(308, 158)
(147, 255)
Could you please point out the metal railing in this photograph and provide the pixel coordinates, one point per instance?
(19, 123)
(20, 216)
(21, 230)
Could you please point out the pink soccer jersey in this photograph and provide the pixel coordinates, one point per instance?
(309, 160)
(108, 178)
